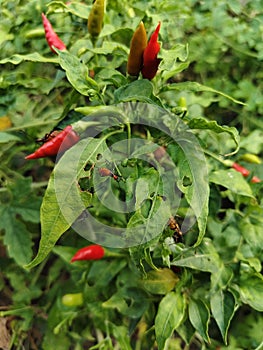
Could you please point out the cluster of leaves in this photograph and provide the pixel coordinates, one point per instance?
(187, 291)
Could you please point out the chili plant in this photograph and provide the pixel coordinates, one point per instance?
(148, 195)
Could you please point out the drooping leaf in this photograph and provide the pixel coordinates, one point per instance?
(203, 258)
(202, 123)
(32, 57)
(193, 180)
(63, 202)
(197, 87)
(223, 309)
(170, 314)
(199, 316)
(77, 74)
(232, 180)
(251, 292)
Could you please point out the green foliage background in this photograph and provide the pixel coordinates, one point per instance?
(201, 297)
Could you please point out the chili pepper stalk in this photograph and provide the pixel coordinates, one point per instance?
(137, 47)
(150, 60)
(58, 144)
(52, 38)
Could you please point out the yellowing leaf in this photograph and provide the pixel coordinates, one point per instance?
(5, 122)
(160, 281)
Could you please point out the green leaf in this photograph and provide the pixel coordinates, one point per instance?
(78, 9)
(197, 87)
(170, 315)
(186, 331)
(108, 76)
(7, 137)
(32, 57)
(202, 123)
(77, 74)
(141, 192)
(193, 179)
(110, 47)
(65, 253)
(222, 278)
(202, 258)
(63, 202)
(102, 272)
(160, 281)
(17, 238)
(139, 90)
(223, 309)
(143, 229)
(19, 203)
(122, 337)
(169, 64)
(199, 316)
(201, 262)
(131, 302)
(251, 230)
(251, 292)
(232, 180)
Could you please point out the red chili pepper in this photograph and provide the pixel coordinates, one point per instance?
(107, 172)
(91, 252)
(52, 39)
(245, 172)
(255, 179)
(150, 60)
(60, 143)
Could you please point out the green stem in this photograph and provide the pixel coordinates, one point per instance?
(128, 125)
(219, 158)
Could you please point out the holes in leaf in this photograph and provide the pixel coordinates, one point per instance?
(187, 181)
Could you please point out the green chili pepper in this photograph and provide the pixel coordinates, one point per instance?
(74, 299)
(137, 47)
(251, 158)
(95, 20)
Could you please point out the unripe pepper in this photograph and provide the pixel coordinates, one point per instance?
(137, 47)
(74, 299)
(57, 144)
(251, 158)
(95, 19)
(91, 252)
(150, 60)
(52, 39)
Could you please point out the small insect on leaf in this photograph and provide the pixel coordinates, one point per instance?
(174, 226)
(107, 172)
(48, 136)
